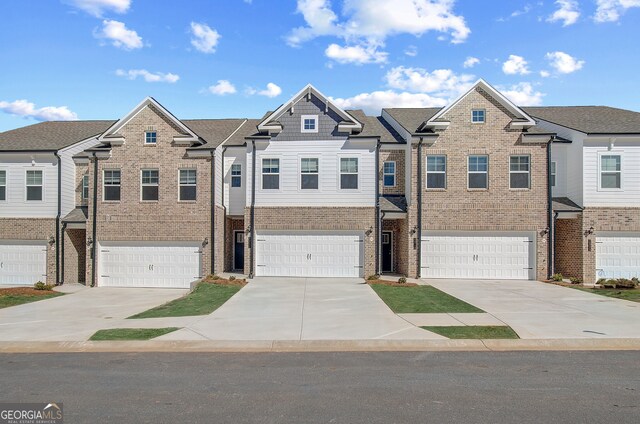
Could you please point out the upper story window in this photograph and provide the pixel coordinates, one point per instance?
(309, 123)
(477, 116)
(389, 174)
(85, 187)
(236, 175)
(270, 174)
(150, 137)
(519, 172)
(436, 172)
(3, 185)
(111, 185)
(348, 173)
(610, 171)
(187, 184)
(34, 185)
(309, 173)
(478, 172)
(150, 183)
(554, 167)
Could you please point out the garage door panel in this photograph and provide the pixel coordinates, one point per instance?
(618, 255)
(23, 262)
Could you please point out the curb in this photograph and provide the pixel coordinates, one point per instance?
(259, 346)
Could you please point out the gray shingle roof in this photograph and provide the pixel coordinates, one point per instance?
(375, 126)
(53, 135)
(589, 119)
(564, 204)
(79, 214)
(393, 203)
(213, 131)
(250, 128)
(412, 118)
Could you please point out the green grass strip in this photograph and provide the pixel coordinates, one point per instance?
(131, 333)
(19, 299)
(475, 332)
(421, 299)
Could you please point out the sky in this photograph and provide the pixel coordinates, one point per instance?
(97, 59)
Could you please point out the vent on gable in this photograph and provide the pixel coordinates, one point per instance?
(151, 128)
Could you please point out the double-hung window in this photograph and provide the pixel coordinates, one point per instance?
(554, 168)
(270, 174)
(149, 184)
(3, 185)
(236, 175)
(188, 184)
(150, 137)
(519, 171)
(389, 174)
(34, 185)
(478, 172)
(349, 173)
(85, 187)
(610, 172)
(111, 185)
(309, 173)
(436, 172)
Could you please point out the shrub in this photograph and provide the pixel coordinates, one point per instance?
(42, 286)
(620, 283)
(575, 280)
(623, 283)
(212, 277)
(601, 281)
(557, 277)
(232, 278)
(402, 280)
(373, 277)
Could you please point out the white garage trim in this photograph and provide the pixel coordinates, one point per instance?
(617, 254)
(310, 253)
(479, 255)
(23, 262)
(149, 264)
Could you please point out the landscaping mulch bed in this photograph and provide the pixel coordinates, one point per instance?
(391, 283)
(223, 282)
(24, 291)
(14, 296)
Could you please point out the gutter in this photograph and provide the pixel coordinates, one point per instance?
(224, 208)
(419, 232)
(378, 266)
(59, 213)
(252, 210)
(94, 229)
(213, 208)
(550, 216)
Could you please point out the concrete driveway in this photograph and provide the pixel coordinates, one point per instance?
(538, 310)
(77, 315)
(302, 309)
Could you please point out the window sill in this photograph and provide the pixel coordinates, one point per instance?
(187, 201)
(149, 201)
(436, 189)
(477, 189)
(150, 144)
(519, 189)
(111, 201)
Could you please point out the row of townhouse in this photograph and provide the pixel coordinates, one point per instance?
(479, 189)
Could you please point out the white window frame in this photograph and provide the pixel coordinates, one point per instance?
(5, 185)
(85, 184)
(146, 143)
(308, 173)
(554, 173)
(238, 165)
(180, 185)
(484, 116)
(528, 172)
(427, 172)
(41, 185)
(384, 173)
(104, 171)
(262, 159)
(142, 185)
(600, 171)
(305, 117)
(340, 173)
(477, 172)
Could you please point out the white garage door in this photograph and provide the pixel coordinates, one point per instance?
(478, 255)
(133, 264)
(305, 254)
(617, 255)
(23, 262)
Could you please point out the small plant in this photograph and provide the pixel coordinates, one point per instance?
(623, 283)
(575, 280)
(373, 277)
(232, 278)
(557, 277)
(620, 283)
(402, 280)
(601, 281)
(42, 286)
(212, 277)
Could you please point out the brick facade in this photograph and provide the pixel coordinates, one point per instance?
(397, 156)
(232, 225)
(568, 247)
(33, 229)
(75, 247)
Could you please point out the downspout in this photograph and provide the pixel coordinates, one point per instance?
(64, 227)
(94, 230)
(252, 211)
(378, 267)
(551, 224)
(213, 208)
(58, 218)
(419, 230)
(224, 208)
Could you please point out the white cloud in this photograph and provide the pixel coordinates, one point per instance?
(147, 76)
(515, 65)
(564, 63)
(522, 94)
(568, 12)
(27, 109)
(611, 10)
(120, 35)
(272, 90)
(411, 51)
(205, 39)
(375, 101)
(355, 54)
(545, 74)
(222, 87)
(470, 62)
(441, 82)
(98, 7)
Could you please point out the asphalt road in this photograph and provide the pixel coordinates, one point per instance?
(443, 387)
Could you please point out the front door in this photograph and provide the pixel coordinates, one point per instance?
(387, 251)
(238, 250)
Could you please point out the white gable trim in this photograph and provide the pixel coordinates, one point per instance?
(352, 124)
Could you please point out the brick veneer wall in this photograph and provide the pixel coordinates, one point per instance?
(399, 229)
(75, 256)
(398, 156)
(232, 225)
(568, 247)
(33, 229)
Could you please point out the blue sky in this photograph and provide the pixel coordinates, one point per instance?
(96, 59)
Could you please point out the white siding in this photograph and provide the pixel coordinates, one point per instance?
(235, 197)
(559, 156)
(69, 174)
(629, 194)
(218, 176)
(16, 205)
(328, 193)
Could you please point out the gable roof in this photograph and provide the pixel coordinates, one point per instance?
(213, 131)
(375, 126)
(51, 136)
(590, 119)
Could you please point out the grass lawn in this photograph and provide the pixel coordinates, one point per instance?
(203, 300)
(19, 295)
(475, 332)
(420, 299)
(131, 333)
(626, 294)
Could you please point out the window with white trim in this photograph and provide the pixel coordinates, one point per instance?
(3, 185)
(478, 172)
(85, 187)
(436, 172)
(519, 171)
(478, 116)
(389, 174)
(309, 123)
(34, 185)
(188, 184)
(348, 173)
(149, 187)
(111, 185)
(610, 171)
(554, 168)
(236, 175)
(309, 170)
(150, 137)
(270, 174)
